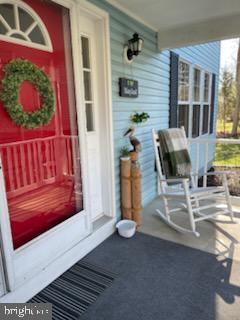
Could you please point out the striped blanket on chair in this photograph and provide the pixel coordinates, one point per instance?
(174, 153)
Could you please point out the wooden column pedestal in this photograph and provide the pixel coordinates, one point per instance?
(131, 189)
(126, 188)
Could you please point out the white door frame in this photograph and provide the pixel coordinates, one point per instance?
(16, 260)
(106, 124)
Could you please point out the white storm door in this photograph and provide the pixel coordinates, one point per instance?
(43, 212)
(92, 110)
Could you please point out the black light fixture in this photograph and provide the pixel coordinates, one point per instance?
(133, 48)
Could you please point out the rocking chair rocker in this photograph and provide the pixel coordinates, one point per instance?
(188, 194)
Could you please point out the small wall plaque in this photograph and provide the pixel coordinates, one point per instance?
(128, 88)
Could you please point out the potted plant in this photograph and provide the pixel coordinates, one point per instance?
(138, 118)
(124, 153)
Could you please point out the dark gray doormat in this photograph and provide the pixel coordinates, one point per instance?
(161, 280)
(73, 292)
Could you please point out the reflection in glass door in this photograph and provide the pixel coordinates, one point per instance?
(42, 169)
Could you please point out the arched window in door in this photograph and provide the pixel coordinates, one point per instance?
(20, 24)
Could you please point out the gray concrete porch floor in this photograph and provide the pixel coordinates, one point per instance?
(222, 238)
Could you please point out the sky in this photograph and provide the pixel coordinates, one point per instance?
(229, 54)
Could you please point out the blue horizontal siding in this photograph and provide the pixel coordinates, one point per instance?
(151, 69)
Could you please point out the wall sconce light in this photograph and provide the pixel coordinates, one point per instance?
(133, 48)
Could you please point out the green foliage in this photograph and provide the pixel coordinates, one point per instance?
(228, 127)
(227, 155)
(227, 95)
(138, 118)
(17, 71)
(124, 152)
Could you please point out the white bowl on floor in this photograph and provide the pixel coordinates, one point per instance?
(126, 228)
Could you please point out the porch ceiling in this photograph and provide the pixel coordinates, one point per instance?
(186, 22)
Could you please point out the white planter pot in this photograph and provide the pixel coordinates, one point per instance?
(126, 228)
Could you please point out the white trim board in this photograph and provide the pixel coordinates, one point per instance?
(223, 24)
(102, 18)
(117, 5)
(214, 29)
(60, 265)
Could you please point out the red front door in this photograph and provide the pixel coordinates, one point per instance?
(41, 166)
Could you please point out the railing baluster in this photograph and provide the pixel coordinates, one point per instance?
(205, 164)
(197, 163)
(30, 166)
(40, 161)
(10, 168)
(68, 156)
(16, 164)
(74, 155)
(53, 158)
(23, 164)
(47, 159)
(37, 174)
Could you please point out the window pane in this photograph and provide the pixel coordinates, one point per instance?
(205, 119)
(18, 36)
(6, 10)
(183, 82)
(89, 117)
(37, 36)
(196, 87)
(195, 121)
(3, 29)
(87, 85)
(183, 114)
(206, 87)
(25, 19)
(85, 52)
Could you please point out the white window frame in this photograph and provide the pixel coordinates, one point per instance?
(89, 70)
(190, 102)
(37, 22)
(186, 102)
(189, 65)
(200, 70)
(208, 102)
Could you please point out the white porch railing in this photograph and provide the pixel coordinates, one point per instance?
(32, 163)
(222, 154)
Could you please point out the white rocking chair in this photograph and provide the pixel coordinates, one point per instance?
(189, 195)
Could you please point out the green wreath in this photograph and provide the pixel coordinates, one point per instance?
(17, 71)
